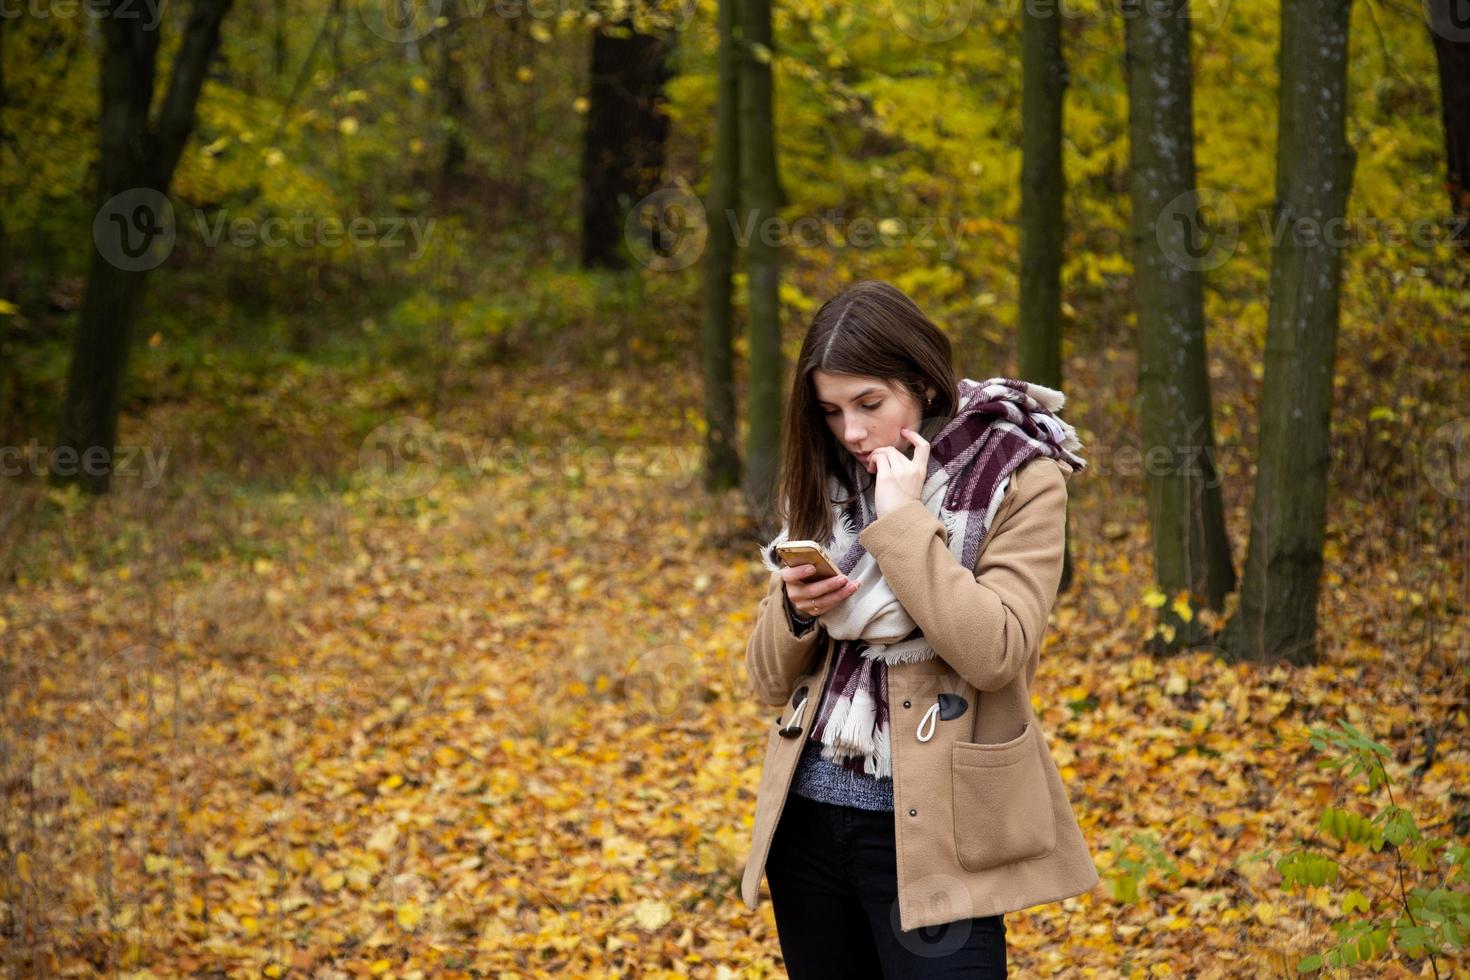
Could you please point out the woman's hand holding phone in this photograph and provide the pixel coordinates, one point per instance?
(815, 597)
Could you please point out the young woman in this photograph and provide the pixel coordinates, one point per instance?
(908, 797)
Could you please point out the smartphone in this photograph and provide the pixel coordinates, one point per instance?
(808, 553)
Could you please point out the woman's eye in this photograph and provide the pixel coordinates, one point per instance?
(870, 408)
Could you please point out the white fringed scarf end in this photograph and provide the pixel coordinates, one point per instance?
(854, 730)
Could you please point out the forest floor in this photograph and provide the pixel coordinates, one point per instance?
(491, 719)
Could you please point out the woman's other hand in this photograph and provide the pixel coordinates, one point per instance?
(900, 479)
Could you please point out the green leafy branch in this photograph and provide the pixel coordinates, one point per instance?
(1132, 863)
(1419, 904)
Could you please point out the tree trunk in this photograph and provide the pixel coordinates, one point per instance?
(339, 27)
(1191, 550)
(721, 449)
(452, 98)
(1277, 618)
(623, 148)
(1043, 188)
(137, 155)
(1452, 51)
(405, 18)
(760, 203)
(8, 382)
(278, 41)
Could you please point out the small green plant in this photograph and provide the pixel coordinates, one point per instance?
(1399, 888)
(1132, 863)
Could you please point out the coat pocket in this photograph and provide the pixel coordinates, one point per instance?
(1002, 802)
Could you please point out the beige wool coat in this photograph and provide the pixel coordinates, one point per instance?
(982, 821)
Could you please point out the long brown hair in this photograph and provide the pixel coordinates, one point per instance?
(870, 329)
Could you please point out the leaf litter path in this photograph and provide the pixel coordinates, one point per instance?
(499, 728)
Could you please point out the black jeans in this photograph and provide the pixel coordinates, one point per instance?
(834, 887)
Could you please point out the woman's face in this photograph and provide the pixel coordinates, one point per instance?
(866, 413)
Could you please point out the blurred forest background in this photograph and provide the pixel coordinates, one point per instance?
(402, 634)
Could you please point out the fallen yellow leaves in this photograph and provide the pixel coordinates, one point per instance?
(383, 839)
(651, 914)
(400, 763)
(409, 916)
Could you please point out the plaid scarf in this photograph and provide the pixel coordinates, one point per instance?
(1001, 425)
